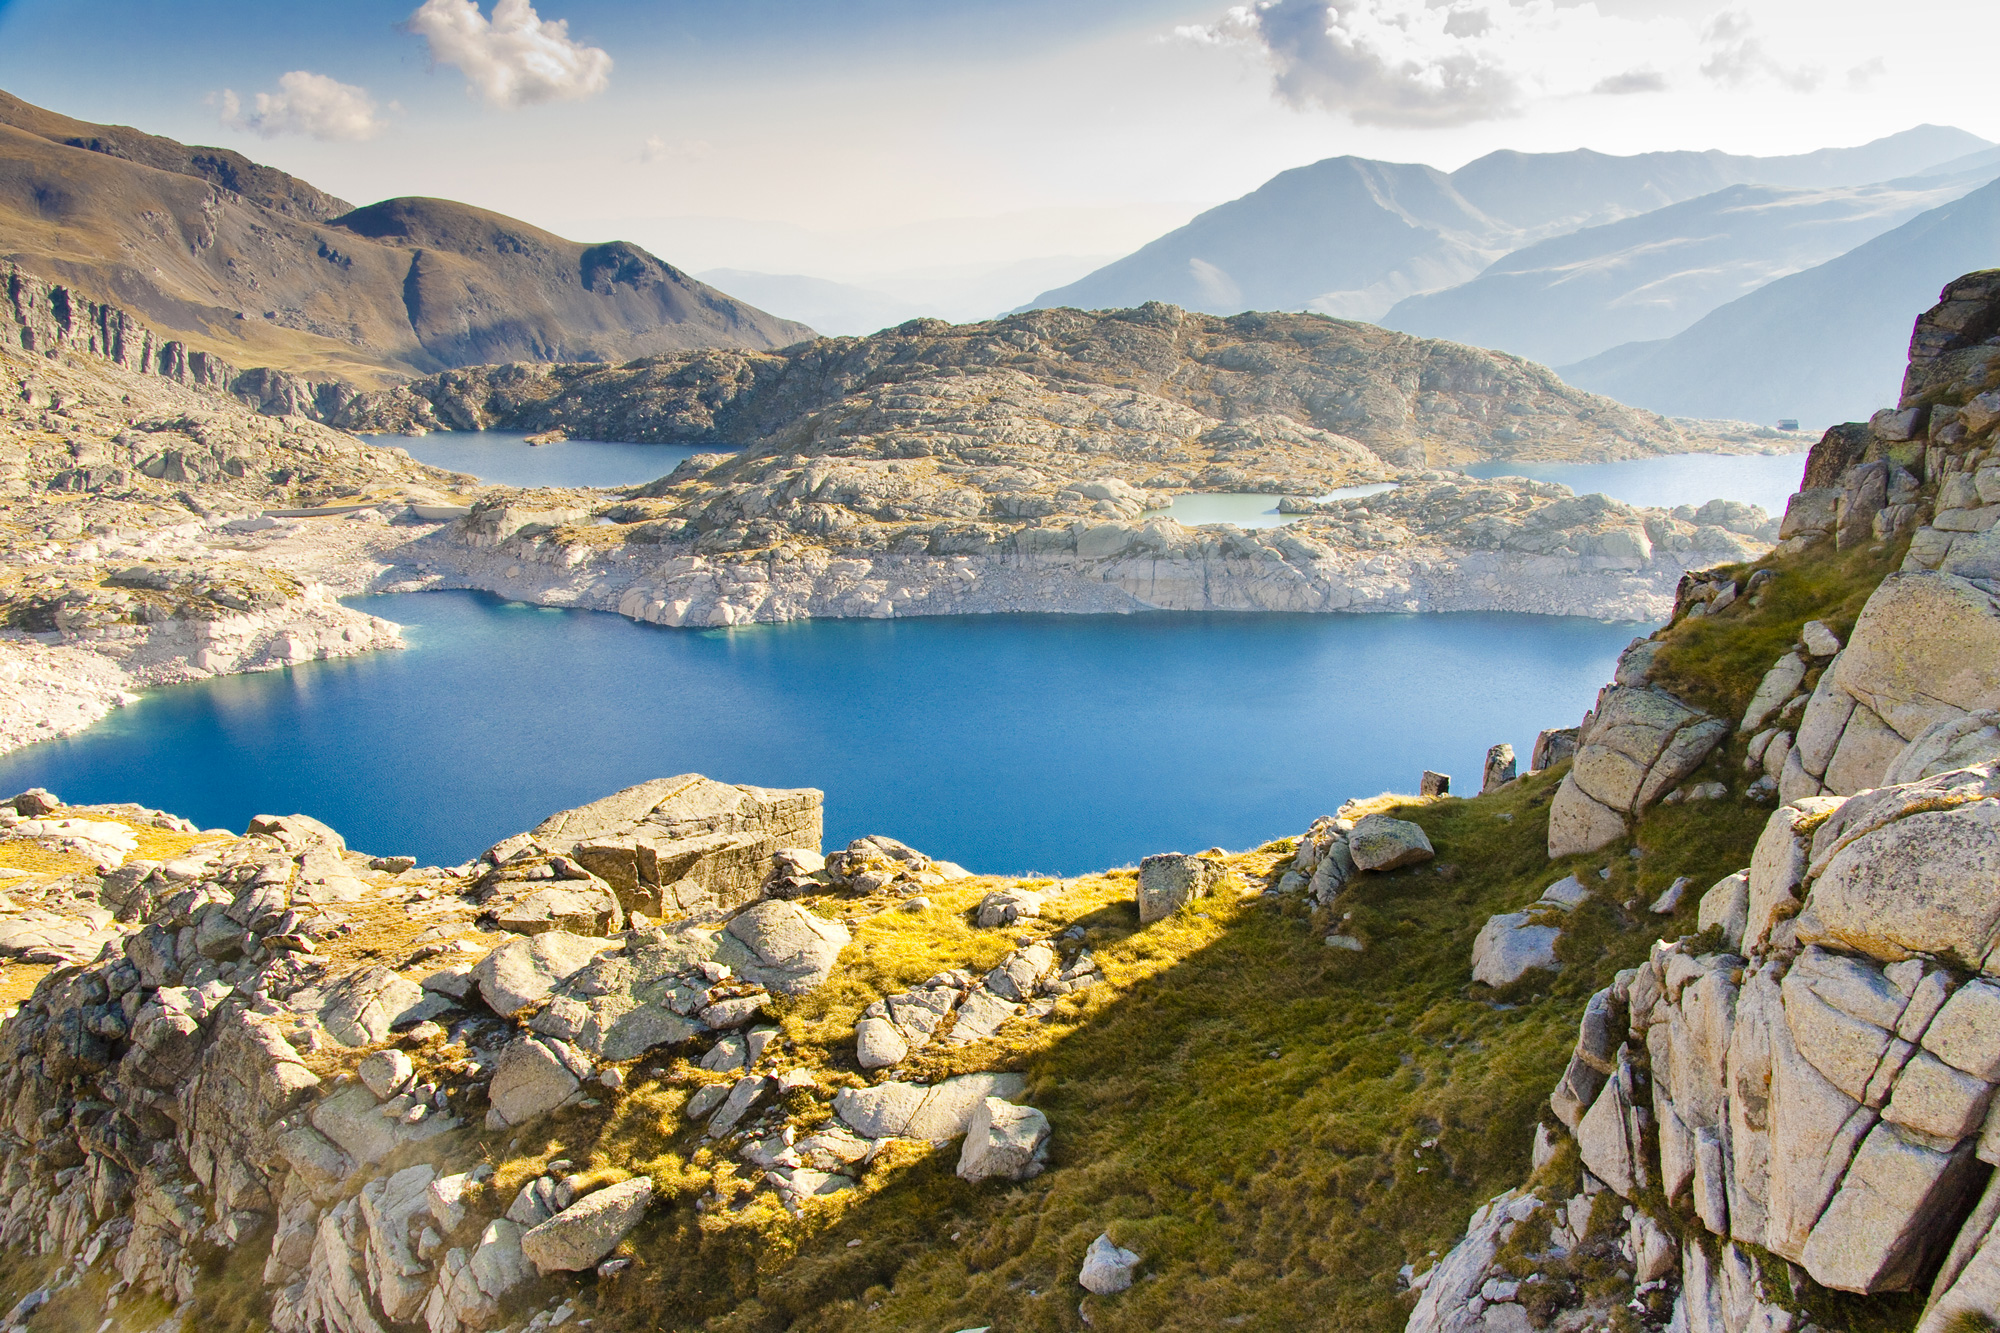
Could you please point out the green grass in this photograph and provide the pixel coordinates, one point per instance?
(1716, 661)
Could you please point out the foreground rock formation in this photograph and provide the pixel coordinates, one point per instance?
(221, 1064)
(1802, 1095)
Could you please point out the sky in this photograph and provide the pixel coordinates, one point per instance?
(875, 141)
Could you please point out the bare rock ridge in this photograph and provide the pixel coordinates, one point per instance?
(1412, 402)
(1019, 465)
(247, 264)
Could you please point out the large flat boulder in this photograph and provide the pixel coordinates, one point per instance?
(1924, 652)
(913, 1111)
(673, 845)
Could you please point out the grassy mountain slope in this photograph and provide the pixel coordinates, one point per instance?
(262, 269)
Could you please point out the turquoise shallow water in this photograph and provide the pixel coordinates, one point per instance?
(1008, 743)
(1680, 479)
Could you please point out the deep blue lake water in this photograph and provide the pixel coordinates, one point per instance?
(1680, 479)
(506, 457)
(1008, 743)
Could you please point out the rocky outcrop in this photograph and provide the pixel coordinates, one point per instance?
(174, 1090)
(666, 847)
(1637, 746)
(945, 535)
(1818, 1089)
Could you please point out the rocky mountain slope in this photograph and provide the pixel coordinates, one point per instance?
(1351, 237)
(1011, 466)
(1822, 345)
(245, 263)
(660, 1063)
(1648, 277)
(1231, 382)
(135, 543)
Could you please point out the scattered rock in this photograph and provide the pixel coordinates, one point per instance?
(1107, 1269)
(1510, 945)
(1004, 1140)
(1380, 843)
(1168, 881)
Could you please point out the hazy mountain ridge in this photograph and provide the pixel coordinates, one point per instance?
(249, 263)
(1351, 237)
(1650, 276)
(1821, 345)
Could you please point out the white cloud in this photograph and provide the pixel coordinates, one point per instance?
(1436, 63)
(1733, 55)
(515, 59)
(1631, 81)
(305, 103)
(656, 149)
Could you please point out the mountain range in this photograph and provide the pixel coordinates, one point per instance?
(1650, 277)
(263, 268)
(1351, 237)
(1823, 345)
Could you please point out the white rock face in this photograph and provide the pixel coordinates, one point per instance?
(583, 1233)
(1825, 1096)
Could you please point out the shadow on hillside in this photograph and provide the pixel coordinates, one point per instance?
(1274, 1125)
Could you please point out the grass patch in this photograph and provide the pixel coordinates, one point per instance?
(1715, 662)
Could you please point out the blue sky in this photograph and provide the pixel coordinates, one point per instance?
(850, 137)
